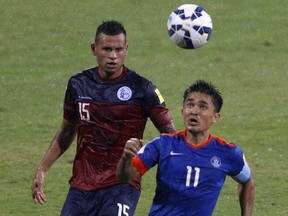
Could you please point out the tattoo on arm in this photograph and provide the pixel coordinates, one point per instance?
(66, 138)
(170, 128)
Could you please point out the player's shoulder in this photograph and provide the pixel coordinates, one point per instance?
(176, 135)
(136, 77)
(222, 142)
(226, 146)
(86, 73)
(164, 138)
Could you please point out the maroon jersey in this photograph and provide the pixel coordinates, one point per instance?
(108, 113)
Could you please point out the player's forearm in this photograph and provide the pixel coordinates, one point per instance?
(170, 128)
(65, 136)
(125, 170)
(246, 197)
(52, 154)
(59, 144)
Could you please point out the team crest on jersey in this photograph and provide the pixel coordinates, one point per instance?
(124, 93)
(216, 162)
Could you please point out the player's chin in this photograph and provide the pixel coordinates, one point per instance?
(193, 129)
(112, 67)
(111, 71)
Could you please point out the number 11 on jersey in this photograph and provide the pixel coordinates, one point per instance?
(189, 174)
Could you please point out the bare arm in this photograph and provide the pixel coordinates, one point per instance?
(170, 128)
(246, 193)
(162, 119)
(125, 170)
(59, 144)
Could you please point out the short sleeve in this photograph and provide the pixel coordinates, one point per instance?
(70, 106)
(153, 96)
(241, 171)
(244, 174)
(149, 154)
(156, 108)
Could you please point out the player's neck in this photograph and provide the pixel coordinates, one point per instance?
(197, 138)
(106, 75)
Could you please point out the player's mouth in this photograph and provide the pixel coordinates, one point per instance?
(193, 121)
(111, 65)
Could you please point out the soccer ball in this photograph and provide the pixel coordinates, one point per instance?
(189, 26)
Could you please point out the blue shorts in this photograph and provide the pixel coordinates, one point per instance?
(118, 200)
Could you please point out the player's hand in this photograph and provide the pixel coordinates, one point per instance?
(38, 195)
(131, 148)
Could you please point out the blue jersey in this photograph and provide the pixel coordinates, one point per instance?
(189, 178)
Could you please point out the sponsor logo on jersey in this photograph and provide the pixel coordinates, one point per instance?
(175, 153)
(124, 93)
(85, 98)
(215, 162)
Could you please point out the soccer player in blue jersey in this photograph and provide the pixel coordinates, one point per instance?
(104, 106)
(192, 163)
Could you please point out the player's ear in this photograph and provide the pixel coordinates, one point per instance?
(216, 117)
(93, 48)
(126, 50)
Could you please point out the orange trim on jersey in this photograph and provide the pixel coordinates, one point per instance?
(139, 165)
(221, 141)
(211, 136)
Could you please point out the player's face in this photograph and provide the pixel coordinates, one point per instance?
(110, 52)
(199, 113)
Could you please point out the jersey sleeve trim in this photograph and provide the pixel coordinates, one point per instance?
(244, 175)
(139, 165)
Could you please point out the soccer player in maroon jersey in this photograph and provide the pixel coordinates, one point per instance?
(104, 106)
(192, 163)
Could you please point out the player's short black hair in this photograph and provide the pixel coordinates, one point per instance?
(110, 27)
(206, 88)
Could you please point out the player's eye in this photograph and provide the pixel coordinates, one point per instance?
(107, 49)
(119, 49)
(189, 105)
(203, 107)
